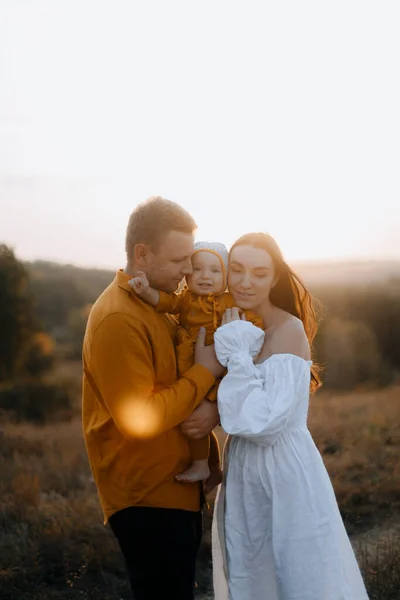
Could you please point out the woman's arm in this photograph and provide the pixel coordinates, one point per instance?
(257, 402)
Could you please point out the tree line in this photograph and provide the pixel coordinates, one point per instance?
(44, 308)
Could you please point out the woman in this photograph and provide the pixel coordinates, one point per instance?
(277, 530)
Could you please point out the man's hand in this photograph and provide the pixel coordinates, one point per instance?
(202, 420)
(205, 355)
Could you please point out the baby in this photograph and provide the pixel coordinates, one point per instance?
(201, 303)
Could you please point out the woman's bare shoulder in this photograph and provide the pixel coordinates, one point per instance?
(289, 337)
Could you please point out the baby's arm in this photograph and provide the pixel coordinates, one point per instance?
(162, 302)
(141, 285)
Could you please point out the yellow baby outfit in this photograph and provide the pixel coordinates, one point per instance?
(195, 312)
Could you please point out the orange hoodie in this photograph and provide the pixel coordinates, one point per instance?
(201, 311)
(133, 404)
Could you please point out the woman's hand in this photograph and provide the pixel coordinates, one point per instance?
(232, 314)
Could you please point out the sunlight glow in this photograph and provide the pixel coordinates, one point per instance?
(272, 117)
(140, 418)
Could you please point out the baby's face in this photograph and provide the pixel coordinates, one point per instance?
(207, 277)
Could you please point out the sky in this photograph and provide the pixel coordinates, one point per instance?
(255, 116)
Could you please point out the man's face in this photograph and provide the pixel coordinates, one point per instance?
(167, 266)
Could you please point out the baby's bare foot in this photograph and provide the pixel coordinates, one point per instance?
(198, 471)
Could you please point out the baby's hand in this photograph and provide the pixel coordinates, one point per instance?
(140, 283)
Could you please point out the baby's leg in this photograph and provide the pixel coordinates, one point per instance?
(213, 393)
(199, 469)
(184, 350)
(214, 461)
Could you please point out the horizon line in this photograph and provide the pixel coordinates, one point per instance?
(301, 262)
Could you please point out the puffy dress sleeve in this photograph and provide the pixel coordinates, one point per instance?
(257, 403)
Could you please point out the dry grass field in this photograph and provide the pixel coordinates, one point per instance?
(53, 544)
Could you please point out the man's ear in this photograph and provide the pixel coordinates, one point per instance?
(141, 254)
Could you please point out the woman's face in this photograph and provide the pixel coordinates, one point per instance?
(251, 276)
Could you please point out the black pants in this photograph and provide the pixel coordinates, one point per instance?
(160, 549)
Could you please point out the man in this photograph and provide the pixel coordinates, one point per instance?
(133, 405)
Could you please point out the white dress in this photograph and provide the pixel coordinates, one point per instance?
(277, 530)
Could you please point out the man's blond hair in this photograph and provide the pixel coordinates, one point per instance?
(152, 220)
